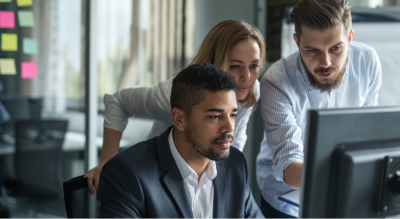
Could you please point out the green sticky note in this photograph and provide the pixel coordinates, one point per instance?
(23, 3)
(7, 67)
(26, 18)
(9, 42)
(1, 1)
(30, 46)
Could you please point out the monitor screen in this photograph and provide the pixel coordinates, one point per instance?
(352, 163)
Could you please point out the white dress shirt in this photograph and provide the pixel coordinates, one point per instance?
(200, 193)
(286, 96)
(154, 103)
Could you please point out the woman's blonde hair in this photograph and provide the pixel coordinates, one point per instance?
(216, 48)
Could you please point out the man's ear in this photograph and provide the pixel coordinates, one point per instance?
(179, 119)
(351, 34)
(296, 40)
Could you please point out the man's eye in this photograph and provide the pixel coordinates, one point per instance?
(312, 50)
(233, 115)
(336, 48)
(213, 117)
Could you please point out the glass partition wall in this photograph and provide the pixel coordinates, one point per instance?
(44, 64)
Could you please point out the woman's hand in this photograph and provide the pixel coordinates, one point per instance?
(111, 139)
(93, 177)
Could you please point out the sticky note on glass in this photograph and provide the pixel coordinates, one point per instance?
(1, 1)
(7, 67)
(7, 19)
(28, 70)
(26, 18)
(30, 46)
(9, 42)
(23, 3)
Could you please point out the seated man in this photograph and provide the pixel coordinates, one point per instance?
(190, 170)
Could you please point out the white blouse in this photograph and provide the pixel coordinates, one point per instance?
(154, 103)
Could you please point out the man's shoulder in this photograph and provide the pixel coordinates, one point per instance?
(282, 69)
(361, 50)
(140, 152)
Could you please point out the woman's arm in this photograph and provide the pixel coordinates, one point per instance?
(111, 139)
(148, 102)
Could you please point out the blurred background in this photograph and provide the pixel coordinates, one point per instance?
(59, 58)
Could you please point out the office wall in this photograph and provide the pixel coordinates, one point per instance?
(391, 2)
(366, 3)
(210, 12)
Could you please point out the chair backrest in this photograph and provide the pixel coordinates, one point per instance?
(78, 201)
(18, 108)
(38, 158)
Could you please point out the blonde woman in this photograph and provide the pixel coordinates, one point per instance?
(237, 47)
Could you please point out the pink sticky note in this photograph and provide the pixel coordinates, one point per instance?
(7, 19)
(28, 70)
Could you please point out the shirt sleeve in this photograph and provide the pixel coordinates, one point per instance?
(242, 120)
(148, 102)
(282, 131)
(375, 81)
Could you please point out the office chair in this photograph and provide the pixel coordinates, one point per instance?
(39, 159)
(78, 201)
(18, 108)
(36, 106)
(39, 164)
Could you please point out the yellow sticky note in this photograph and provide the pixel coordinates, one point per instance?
(9, 42)
(7, 67)
(23, 3)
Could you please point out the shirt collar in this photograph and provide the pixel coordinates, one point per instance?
(184, 168)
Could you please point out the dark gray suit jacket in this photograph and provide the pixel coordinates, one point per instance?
(144, 181)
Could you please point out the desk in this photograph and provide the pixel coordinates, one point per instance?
(73, 142)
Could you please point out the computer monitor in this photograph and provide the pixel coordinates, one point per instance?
(351, 163)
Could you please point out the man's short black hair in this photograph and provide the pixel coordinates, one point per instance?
(189, 86)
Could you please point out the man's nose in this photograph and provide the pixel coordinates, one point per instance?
(229, 125)
(325, 61)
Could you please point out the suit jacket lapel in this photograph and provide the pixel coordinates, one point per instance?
(174, 183)
(219, 192)
(173, 179)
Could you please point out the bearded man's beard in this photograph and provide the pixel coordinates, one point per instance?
(206, 150)
(327, 84)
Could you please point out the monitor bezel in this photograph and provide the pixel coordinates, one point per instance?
(383, 118)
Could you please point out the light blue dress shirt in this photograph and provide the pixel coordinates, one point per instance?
(286, 96)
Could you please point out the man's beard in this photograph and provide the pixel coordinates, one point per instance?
(210, 153)
(329, 83)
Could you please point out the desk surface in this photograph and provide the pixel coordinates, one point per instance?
(73, 142)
